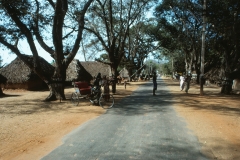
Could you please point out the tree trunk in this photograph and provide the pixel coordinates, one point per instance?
(198, 76)
(56, 91)
(56, 86)
(52, 96)
(114, 70)
(226, 88)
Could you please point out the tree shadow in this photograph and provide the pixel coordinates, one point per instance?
(9, 95)
(212, 100)
(36, 106)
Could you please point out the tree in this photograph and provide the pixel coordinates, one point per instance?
(222, 37)
(138, 46)
(224, 19)
(56, 25)
(110, 24)
(180, 28)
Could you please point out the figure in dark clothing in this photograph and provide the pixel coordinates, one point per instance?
(154, 83)
(97, 80)
(187, 82)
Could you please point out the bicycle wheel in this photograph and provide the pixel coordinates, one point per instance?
(75, 98)
(106, 101)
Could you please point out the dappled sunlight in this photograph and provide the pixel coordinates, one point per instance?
(31, 127)
(214, 118)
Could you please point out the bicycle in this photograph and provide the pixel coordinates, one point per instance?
(93, 93)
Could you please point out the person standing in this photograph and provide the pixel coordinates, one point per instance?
(97, 80)
(154, 83)
(187, 81)
(182, 80)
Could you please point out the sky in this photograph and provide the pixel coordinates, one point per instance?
(8, 57)
(23, 46)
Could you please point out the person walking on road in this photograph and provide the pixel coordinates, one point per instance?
(154, 83)
(187, 81)
(182, 80)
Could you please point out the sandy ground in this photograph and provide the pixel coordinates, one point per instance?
(213, 118)
(31, 128)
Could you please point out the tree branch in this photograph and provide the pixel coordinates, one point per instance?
(51, 3)
(12, 11)
(37, 33)
(81, 23)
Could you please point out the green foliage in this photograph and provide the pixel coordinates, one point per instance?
(138, 45)
(113, 24)
(103, 58)
(178, 31)
(165, 69)
(224, 21)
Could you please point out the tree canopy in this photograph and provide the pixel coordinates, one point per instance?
(121, 33)
(56, 25)
(179, 28)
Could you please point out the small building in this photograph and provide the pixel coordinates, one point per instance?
(76, 72)
(20, 76)
(124, 73)
(94, 67)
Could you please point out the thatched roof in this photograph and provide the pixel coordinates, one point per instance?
(124, 73)
(3, 79)
(18, 72)
(214, 74)
(94, 68)
(76, 71)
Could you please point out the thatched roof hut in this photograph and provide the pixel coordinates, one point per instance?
(94, 67)
(77, 72)
(20, 76)
(215, 75)
(124, 73)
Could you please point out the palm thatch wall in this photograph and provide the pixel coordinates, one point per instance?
(20, 76)
(76, 72)
(94, 68)
(2, 79)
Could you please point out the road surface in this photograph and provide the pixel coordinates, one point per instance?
(141, 127)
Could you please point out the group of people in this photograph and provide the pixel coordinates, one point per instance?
(184, 82)
(102, 81)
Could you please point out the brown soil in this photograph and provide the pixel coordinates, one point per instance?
(213, 118)
(31, 128)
